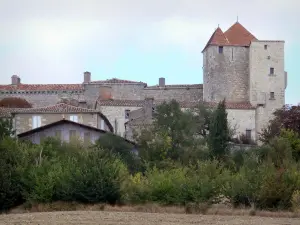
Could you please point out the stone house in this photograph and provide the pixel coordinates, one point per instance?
(26, 119)
(249, 73)
(65, 130)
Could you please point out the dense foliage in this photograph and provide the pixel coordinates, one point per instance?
(184, 158)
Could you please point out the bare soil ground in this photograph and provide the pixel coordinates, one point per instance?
(137, 218)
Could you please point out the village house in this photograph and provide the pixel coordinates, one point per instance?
(64, 130)
(26, 119)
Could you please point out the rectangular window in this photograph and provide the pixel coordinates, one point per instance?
(271, 70)
(58, 134)
(72, 134)
(102, 125)
(36, 121)
(220, 49)
(266, 47)
(87, 138)
(74, 118)
(248, 134)
(272, 95)
(127, 111)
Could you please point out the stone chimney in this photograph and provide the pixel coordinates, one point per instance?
(15, 80)
(162, 82)
(87, 77)
(148, 107)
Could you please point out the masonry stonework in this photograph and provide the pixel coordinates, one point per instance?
(23, 121)
(247, 72)
(116, 116)
(226, 74)
(265, 55)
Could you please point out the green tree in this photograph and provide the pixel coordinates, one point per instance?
(219, 134)
(202, 116)
(118, 145)
(288, 117)
(6, 127)
(170, 137)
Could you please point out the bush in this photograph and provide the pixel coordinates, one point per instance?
(295, 201)
(67, 173)
(93, 179)
(12, 164)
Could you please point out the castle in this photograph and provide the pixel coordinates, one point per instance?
(247, 72)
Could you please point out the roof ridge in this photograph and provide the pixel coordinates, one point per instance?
(237, 34)
(217, 38)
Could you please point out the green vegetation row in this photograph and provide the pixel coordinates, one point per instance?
(185, 157)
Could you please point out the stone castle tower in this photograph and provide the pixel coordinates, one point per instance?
(240, 68)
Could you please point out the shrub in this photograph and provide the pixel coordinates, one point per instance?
(92, 179)
(12, 163)
(295, 201)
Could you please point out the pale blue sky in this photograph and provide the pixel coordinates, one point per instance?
(55, 41)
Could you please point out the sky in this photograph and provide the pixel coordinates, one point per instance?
(55, 41)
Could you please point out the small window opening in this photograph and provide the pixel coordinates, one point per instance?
(248, 134)
(127, 111)
(221, 49)
(272, 95)
(266, 47)
(271, 70)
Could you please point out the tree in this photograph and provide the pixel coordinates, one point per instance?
(172, 136)
(288, 117)
(202, 116)
(219, 136)
(118, 145)
(6, 127)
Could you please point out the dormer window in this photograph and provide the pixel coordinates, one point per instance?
(221, 49)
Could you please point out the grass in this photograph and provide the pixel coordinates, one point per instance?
(136, 218)
(203, 209)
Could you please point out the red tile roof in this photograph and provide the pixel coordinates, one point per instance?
(232, 105)
(186, 104)
(176, 86)
(236, 35)
(116, 81)
(5, 112)
(239, 35)
(41, 87)
(58, 108)
(118, 102)
(217, 38)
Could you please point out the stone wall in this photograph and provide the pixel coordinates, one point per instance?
(226, 75)
(116, 116)
(262, 83)
(184, 93)
(241, 120)
(23, 121)
(65, 133)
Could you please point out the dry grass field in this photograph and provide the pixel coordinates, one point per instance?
(148, 214)
(137, 218)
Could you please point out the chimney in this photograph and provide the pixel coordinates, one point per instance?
(15, 80)
(162, 82)
(87, 77)
(148, 107)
